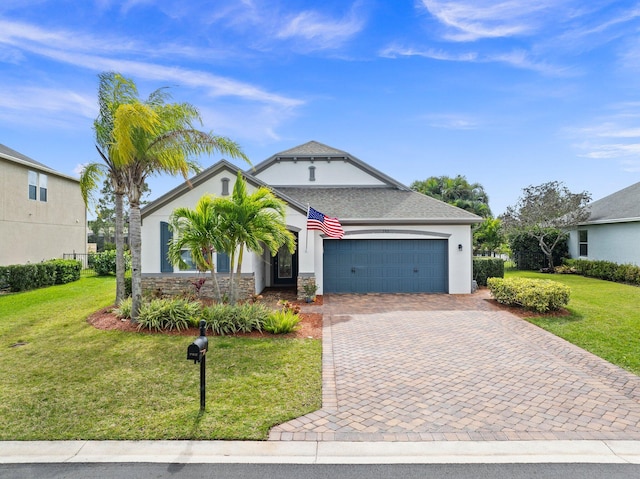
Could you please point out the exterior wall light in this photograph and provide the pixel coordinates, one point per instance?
(460, 247)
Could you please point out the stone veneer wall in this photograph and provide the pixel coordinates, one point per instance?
(304, 279)
(174, 284)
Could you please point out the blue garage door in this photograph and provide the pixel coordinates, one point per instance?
(385, 266)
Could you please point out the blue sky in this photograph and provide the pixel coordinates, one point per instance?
(508, 93)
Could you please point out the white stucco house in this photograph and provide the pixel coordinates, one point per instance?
(612, 232)
(396, 240)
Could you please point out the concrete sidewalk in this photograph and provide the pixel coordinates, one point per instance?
(321, 452)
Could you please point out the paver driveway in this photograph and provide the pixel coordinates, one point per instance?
(440, 367)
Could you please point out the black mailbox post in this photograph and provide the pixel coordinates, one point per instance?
(197, 351)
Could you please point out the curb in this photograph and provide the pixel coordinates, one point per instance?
(310, 452)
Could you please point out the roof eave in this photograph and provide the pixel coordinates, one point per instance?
(35, 166)
(410, 221)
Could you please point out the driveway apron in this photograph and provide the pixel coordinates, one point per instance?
(442, 367)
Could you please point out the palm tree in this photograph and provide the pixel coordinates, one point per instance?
(155, 137)
(456, 191)
(252, 221)
(113, 91)
(199, 231)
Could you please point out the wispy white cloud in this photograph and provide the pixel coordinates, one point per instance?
(471, 20)
(451, 121)
(320, 31)
(615, 137)
(516, 58)
(72, 49)
(394, 51)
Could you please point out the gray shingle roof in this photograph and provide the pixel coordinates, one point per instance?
(6, 151)
(312, 148)
(379, 205)
(623, 205)
(17, 157)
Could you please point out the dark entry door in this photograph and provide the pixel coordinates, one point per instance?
(285, 267)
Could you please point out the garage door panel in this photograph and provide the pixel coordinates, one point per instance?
(385, 266)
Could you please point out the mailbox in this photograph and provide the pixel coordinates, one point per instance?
(198, 348)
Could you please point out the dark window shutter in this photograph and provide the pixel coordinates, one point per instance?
(223, 265)
(165, 237)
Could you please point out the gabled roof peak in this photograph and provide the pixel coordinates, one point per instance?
(311, 148)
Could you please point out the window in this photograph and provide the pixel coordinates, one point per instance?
(583, 242)
(312, 173)
(225, 186)
(33, 185)
(186, 257)
(37, 181)
(43, 187)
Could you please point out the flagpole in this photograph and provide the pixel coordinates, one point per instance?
(306, 242)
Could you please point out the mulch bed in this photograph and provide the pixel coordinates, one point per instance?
(310, 325)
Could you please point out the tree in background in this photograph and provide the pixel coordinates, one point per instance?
(457, 192)
(252, 221)
(152, 137)
(489, 236)
(544, 211)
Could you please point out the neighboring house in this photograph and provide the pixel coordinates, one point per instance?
(42, 214)
(396, 240)
(612, 232)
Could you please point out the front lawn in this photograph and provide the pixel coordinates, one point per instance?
(605, 318)
(63, 379)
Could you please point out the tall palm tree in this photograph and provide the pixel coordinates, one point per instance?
(199, 231)
(153, 137)
(113, 91)
(252, 221)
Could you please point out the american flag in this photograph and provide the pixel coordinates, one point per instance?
(329, 226)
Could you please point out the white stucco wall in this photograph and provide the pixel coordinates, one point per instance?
(333, 172)
(616, 242)
(34, 230)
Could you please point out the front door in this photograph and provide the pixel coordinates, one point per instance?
(285, 268)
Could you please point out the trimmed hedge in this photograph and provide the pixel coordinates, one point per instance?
(538, 295)
(24, 277)
(484, 268)
(607, 270)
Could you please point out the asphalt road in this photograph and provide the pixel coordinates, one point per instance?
(318, 471)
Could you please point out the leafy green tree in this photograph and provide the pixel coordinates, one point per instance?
(152, 137)
(488, 235)
(457, 192)
(544, 211)
(113, 91)
(199, 231)
(252, 221)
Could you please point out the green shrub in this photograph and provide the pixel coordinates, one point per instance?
(282, 322)
(607, 270)
(23, 277)
(533, 294)
(223, 319)
(4, 282)
(123, 311)
(168, 314)
(127, 283)
(66, 270)
(104, 263)
(486, 267)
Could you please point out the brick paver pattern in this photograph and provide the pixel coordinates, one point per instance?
(439, 367)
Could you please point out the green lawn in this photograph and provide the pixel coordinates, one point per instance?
(605, 318)
(72, 381)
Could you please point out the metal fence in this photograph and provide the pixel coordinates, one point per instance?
(84, 258)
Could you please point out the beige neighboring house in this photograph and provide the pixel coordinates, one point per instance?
(42, 214)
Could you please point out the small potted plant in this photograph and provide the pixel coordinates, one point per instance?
(310, 289)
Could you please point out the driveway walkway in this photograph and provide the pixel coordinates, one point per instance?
(439, 367)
